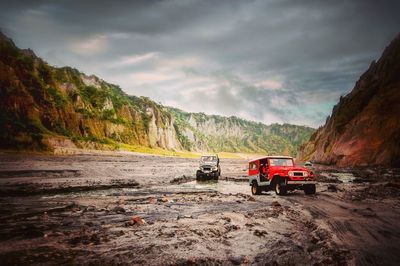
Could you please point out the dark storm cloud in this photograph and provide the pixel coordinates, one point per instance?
(271, 61)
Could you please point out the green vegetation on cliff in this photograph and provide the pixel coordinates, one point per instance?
(43, 106)
(232, 134)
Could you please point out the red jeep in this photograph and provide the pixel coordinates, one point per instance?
(281, 174)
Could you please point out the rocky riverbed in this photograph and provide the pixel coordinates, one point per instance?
(139, 209)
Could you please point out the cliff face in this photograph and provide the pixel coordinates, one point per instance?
(42, 107)
(40, 103)
(198, 131)
(364, 128)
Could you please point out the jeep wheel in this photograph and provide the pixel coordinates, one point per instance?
(309, 189)
(255, 189)
(216, 175)
(280, 187)
(199, 175)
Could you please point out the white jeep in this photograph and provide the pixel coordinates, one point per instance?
(209, 168)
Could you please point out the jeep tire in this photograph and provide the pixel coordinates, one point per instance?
(215, 175)
(280, 187)
(199, 175)
(309, 189)
(255, 189)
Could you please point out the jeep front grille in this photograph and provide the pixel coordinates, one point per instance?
(298, 173)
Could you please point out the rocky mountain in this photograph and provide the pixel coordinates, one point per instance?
(42, 107)
(364, 128)
(197, 131)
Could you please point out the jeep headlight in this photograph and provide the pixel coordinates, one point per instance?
(214, 168)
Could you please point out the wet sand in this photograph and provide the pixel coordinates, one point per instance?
(133, 209)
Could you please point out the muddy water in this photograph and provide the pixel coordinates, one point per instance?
(225, 187)
(130, 209)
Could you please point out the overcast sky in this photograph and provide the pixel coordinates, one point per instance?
(268, 61)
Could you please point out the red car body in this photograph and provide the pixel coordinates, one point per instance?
(279, 173)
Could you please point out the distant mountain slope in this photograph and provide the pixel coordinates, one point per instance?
(42, 107)
(364, 128)
(198, 131)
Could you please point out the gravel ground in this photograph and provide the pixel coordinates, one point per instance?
(130, 209)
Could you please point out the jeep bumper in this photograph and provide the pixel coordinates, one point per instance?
(301, 182)
(208, 173)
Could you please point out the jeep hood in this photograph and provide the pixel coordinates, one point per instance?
(290, 168)
(208, 163)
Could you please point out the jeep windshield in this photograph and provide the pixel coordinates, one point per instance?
(209, 159)
(281, 162)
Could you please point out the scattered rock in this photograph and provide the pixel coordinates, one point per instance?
(55, 234)
(276, 204)
(164, 199)
(90, 208)
(230, 227)
(237, 260)
(152, 200)
(260, 233)
(314, 239)
(251, 198)
(197, 232)
(135, 220)
(119, 209)
(89, 223)
(235, 227)
(332, 188)
(138, 220)
(249, 215)
(227, 219)
(120, 202)
(185, 217)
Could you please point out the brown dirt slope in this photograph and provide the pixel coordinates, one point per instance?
(364, 128)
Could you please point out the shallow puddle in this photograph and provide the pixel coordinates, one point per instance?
(224, 187)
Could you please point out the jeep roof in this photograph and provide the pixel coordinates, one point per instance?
(271, 157)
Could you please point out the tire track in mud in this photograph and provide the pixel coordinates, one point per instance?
(30, 189)
(369, 231)
(42, 173)
(185, 223)
(279, 241)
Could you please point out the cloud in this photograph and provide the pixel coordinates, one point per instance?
(133, 59)
(90, 46)
(270, 61)
(151, 77)
(270, 84)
